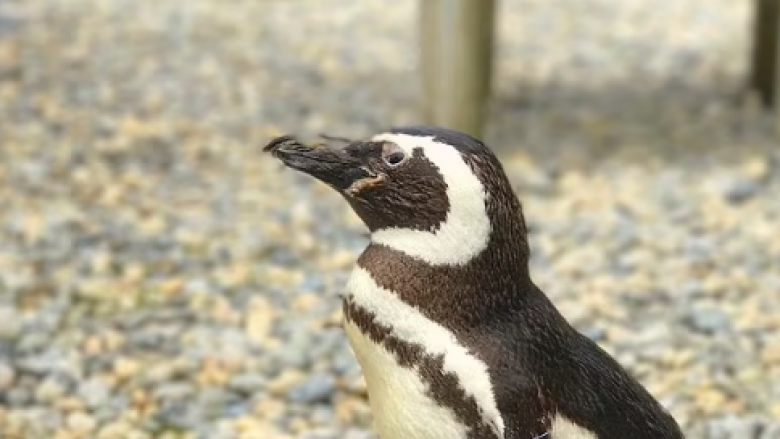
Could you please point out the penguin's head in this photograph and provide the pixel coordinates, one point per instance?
(430, 192)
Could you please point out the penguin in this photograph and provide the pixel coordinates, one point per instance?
(454, 339)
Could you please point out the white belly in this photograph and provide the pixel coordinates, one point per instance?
(399, 404)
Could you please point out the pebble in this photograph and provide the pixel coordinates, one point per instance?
(7, 376)
(740, 190)
(19, 397)
(259, 320)
(317, 388)
(732, 427)
(94, 392)
(174, 391)
(708, 320)
(10, 324)
(248, 383)
(52, 388)
(81, 423)
(321, 433)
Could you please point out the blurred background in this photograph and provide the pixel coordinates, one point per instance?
(159, 278)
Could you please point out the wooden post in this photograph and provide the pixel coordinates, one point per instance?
(456, 51)
(765, 57)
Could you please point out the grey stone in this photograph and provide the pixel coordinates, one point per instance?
(708, 320)
(317, 388)
(213, 400)
(740, 190)
(174, 391)
(326, 342)
(32, 342)
(10, 323)
(7, 376)
(19, 397)
(294, 356)
(321, 414)
(690, 289)
(343, 362)
(701, 248)
(733, 427)
(237, 409)
(179, 415)
(321, 433)
(248, 383)
(221, 431)
(772, 430)
(595, 333)
(111, 409)
(354, 433)
(81, 422)
(94, 392)
(197, 286)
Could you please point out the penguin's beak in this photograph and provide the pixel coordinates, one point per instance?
(332, 166)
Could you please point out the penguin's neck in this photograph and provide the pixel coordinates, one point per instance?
(461, 294)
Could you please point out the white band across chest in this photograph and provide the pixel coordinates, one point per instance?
(409, 325)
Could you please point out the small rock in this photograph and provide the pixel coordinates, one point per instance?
(94, 392)
(248, 383)
(317, 388)
(710, 400)
(112, 409)
(756, 168)
(179, 415)
(197, 286)
(595, 333)
(296, 355)
(32, 342)
(81, 423)
(259, 319)
(770, 355)
(7, 376)
(10, 323)
(772, 431)
(50, 389)
(174, 391)
(159, 373)
(52, 360)
(708, 320)
(740, 190)
(732, 427)
(354, 433)
(321, 433)
(343, 362)
(214, 399)
(537, 180)
(125, 368)
(19, 397)
(285, 381)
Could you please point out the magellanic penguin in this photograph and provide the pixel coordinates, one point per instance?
(454, 339)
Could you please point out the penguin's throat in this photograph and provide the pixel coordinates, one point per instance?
(462, 292)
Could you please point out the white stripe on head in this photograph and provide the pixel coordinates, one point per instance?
(466, 231)
(409, 325)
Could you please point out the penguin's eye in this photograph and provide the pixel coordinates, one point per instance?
(394, 159)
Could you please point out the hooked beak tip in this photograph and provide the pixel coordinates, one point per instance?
(329, 165)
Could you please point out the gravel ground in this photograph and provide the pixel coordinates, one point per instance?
(160, 279)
